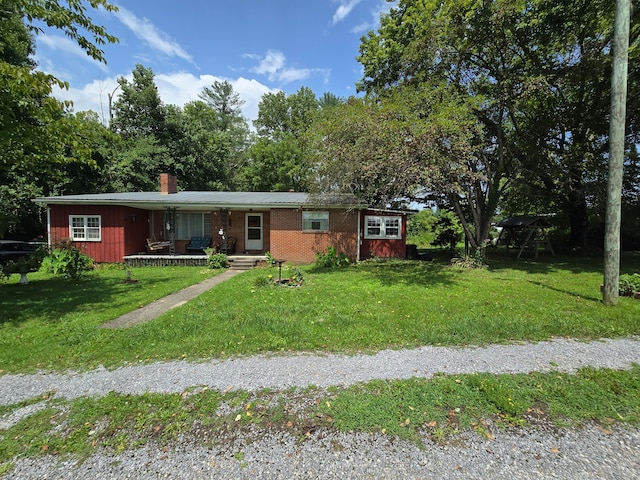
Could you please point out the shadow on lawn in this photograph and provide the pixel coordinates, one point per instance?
(52, 298)
(501, 259)
(404, 272)
(567, 292)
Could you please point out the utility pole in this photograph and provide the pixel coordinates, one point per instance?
(616, 152)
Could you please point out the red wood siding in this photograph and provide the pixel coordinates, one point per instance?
(121, 234)
(384, 248)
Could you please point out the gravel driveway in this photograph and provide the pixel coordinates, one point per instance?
(534, 453)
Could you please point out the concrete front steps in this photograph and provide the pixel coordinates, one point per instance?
(245, 262)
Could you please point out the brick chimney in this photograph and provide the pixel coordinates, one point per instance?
(168, 183)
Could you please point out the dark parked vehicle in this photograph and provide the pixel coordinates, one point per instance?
(14, 249)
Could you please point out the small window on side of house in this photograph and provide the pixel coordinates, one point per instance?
(382, 227)
(86, 228)
(313, 221)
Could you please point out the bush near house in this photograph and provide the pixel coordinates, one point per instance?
(67, 260)
(331, 259)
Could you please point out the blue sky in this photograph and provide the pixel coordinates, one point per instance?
(259, 46)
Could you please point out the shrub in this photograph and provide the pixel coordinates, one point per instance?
(331, 259)
(66, 259)
(217, 260)
(629, 284)
(448, 231)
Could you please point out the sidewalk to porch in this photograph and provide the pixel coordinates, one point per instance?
(154, 309)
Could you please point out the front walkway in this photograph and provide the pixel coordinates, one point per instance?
(157, 308)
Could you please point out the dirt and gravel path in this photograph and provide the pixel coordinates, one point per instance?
(300, 370)
(586, 453)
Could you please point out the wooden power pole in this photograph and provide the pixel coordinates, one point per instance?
(616, 152)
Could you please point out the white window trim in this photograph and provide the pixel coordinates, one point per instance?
(85, 228)
(317, 214)
(383, 226)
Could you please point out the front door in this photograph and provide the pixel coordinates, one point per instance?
(253, 231)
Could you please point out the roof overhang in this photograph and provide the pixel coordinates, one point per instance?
(208, 200)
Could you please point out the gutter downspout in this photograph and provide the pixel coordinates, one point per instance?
(48, 226)
(359, 239)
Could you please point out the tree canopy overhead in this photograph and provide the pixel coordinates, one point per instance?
(39, 139)
(539, 72)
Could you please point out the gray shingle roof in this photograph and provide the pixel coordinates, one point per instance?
(203, 200)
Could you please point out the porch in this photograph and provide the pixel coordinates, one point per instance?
(236, 262)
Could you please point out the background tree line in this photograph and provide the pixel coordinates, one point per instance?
(483, 108)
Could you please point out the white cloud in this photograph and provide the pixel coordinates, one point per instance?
(344, 9)
(149, 33)
(273, 64)
(67, 46)
(382, 8)
(175, 88)
(92, 96)
(287, 75)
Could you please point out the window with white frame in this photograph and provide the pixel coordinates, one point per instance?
(315, 221)
(87, 228)
(381, 226)
(192, 224)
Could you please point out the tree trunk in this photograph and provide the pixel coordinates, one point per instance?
(610, 291)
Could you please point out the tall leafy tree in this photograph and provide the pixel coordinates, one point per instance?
(39, 139)
(280, 114)
(217, 136)
(138, 111)
(278, 160)
(146, 136)
(539, 71)
(275, 166)
(227, 103)
(214, 153)
(463, 52)
(32, 122)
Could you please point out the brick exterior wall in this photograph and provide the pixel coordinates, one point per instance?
(289, 242)
(125, 230)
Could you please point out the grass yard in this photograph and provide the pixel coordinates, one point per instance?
(53, 323)
(435, 408)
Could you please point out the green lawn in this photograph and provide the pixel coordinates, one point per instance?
(437, 408)
(53, 323)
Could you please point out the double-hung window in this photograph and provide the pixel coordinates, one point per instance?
(315, 221)
(380, 226)
(87, 228)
